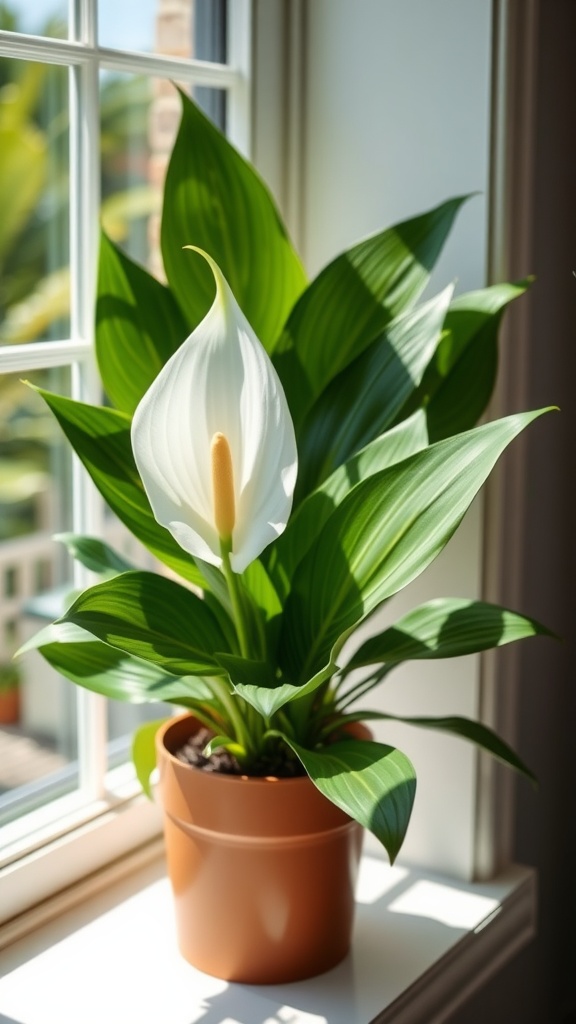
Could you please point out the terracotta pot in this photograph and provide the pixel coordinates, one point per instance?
(263, 870)
(10, 706)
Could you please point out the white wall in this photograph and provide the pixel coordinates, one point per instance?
(397, 119)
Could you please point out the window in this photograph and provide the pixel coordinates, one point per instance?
(88, 114)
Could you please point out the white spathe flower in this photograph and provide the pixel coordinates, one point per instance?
(213, 439)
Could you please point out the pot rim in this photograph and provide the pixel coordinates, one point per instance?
(222, 778)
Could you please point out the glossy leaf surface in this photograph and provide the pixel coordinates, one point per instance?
(96, 666)
(138, 327)
(94, 554)
(457, 385)
(353, 299)
(465, 729)
(215, 200)
(445, 628)
(150, 617)
(373, 783)
(362, 401)
(384, 533)
(101, 438)
(307, 521)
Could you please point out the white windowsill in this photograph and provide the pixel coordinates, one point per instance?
(422, 945)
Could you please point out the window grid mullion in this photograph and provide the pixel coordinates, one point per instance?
(87, 506)
(239, 57)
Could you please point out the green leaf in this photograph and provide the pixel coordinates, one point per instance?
(152, 618)
(144, 753)
(307, 521)
(268, 694)
(458, 384)
(445, 628)
(138, 327)
(353, 299)
(373, 783)
(101, 438)
(215, 200)
(260, 586)
(94, 554)
(362, 401)
(383, 535)
(466, 729)
(245, 671)
(96, 666)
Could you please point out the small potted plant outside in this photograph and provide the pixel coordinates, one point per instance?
(294, 454)
(9, 694)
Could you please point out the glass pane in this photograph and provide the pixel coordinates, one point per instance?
(34, 191)
(38, 741)
(40, 18)
(139, 122)
(176, 28)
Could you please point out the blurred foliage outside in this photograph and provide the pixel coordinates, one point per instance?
(34, 245)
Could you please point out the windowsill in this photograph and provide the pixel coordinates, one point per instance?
(422, 945)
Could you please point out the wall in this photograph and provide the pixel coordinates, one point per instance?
(397, 119)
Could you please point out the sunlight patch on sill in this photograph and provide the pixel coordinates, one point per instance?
(444, 904)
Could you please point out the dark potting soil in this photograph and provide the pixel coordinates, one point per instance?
(283, 764)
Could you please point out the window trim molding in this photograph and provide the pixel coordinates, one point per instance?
(514, 87)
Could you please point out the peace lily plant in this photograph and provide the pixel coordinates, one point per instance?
(293, 454)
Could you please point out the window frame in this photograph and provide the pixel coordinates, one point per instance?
(106, 816)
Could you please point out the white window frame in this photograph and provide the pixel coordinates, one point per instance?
(107, 816)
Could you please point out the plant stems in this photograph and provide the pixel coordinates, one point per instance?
(236, 599)
(232, 710)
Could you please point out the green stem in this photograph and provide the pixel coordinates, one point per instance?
(235, 598)
(230, 705)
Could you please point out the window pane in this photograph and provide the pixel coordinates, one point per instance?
(176, 28)
(34, 191)
(37, 707)
(139, 122)
(40, 18)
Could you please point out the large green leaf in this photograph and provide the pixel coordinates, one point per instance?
(94, 554)
(363, 400)
(138, 327)
(101, 438)
(96, 666)
(445, 628)
(373, 783)
(307, 521)
(215, 200)
(153, 618)
(384, 533)
(464, 728)
(353, 299)
(458, 384)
